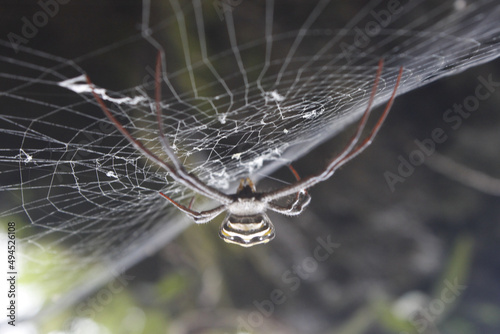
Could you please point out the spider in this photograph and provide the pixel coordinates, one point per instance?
(246, 223)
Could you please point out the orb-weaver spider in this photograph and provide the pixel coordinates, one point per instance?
(247, 223)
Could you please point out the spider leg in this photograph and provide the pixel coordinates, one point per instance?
(302, 199)
(295, 208)
(191, 202)
(337, 163)
(301, 195)
(361, 126)
(199, 217)
(348, 153)
(177, 172)
(167, 148)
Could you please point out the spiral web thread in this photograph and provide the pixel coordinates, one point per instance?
(242, 95)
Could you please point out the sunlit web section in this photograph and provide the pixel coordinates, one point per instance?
(247, 88)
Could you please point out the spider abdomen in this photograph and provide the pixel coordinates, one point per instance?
(248, 230)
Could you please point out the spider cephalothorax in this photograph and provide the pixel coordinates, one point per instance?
(247, 223)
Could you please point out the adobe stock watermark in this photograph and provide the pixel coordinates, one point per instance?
(292, 278)
(363, 36)
(453, 118)
(31, 26)
(96, 303)
(424, 319)
(224, 6)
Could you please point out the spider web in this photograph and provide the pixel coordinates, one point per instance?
(248, 87)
